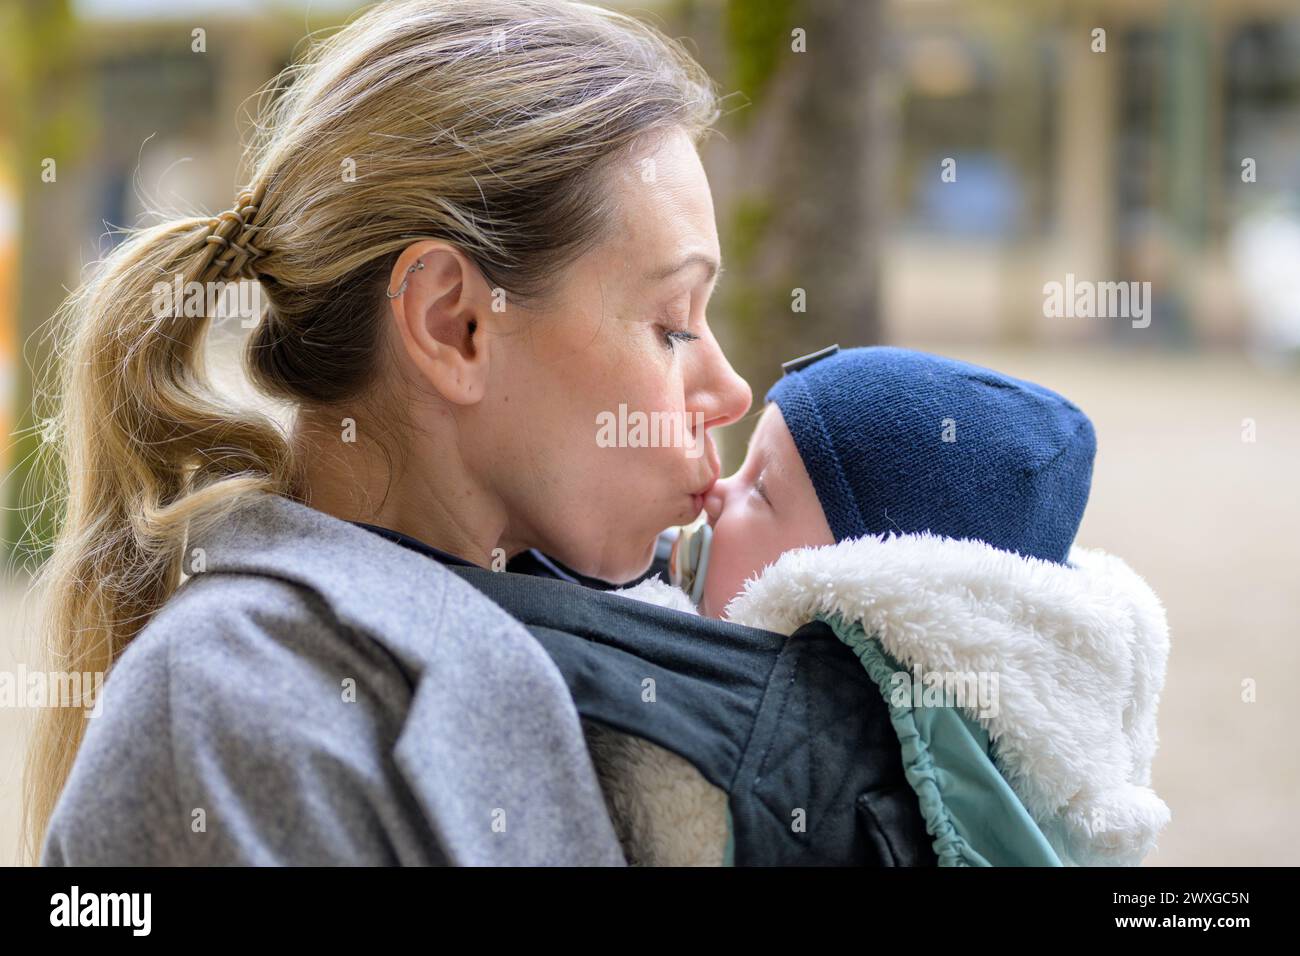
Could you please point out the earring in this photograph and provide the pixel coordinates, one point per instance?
(402, 288)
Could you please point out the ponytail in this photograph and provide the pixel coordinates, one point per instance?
(146, 447)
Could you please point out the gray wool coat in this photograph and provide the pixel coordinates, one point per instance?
(317, 694)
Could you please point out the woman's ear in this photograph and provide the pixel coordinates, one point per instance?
(437, 299)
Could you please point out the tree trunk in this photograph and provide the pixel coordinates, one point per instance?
(797, 177)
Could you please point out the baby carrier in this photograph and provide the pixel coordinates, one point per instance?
(792, 729)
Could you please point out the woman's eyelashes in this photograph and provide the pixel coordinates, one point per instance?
(760, 489)
(673, 336)
(674, 322)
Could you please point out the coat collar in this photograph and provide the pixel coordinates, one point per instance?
(370, 583)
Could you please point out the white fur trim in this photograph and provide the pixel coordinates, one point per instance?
(1079, 651)
(657, 591)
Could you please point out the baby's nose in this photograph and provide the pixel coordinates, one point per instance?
(713, 501)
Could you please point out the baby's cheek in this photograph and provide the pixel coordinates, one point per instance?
(730, 563)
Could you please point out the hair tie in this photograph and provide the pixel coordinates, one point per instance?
(231, 234)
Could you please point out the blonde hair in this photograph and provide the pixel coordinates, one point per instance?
(485, 123)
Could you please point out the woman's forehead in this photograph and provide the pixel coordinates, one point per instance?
(667, 210)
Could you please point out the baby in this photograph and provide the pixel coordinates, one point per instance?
(925, 510)
(890, 441)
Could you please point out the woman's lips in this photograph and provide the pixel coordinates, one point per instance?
(715, 469)
(697, 499)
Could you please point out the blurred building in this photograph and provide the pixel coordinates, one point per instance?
(1122, 163)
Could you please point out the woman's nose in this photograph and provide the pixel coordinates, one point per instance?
(721, 396)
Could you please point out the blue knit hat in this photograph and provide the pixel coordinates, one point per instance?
(901, 441)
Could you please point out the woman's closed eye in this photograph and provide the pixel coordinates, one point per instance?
(672, 336)
(760, 489)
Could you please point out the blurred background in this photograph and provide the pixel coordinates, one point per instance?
(911, 172)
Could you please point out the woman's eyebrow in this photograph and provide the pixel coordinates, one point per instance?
(712, 267)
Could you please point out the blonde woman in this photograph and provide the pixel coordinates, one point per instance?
(527, 242)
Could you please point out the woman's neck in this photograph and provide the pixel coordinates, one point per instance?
(379, 480)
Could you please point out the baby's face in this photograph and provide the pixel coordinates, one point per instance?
(766, 508)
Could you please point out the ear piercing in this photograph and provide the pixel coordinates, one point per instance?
(402, 288)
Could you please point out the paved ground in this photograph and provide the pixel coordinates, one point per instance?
(1212, 522)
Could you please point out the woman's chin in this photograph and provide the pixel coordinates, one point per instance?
(617, 569)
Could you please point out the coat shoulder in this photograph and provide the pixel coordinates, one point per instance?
(244, 725)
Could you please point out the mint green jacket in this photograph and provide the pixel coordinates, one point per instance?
(975, 817)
